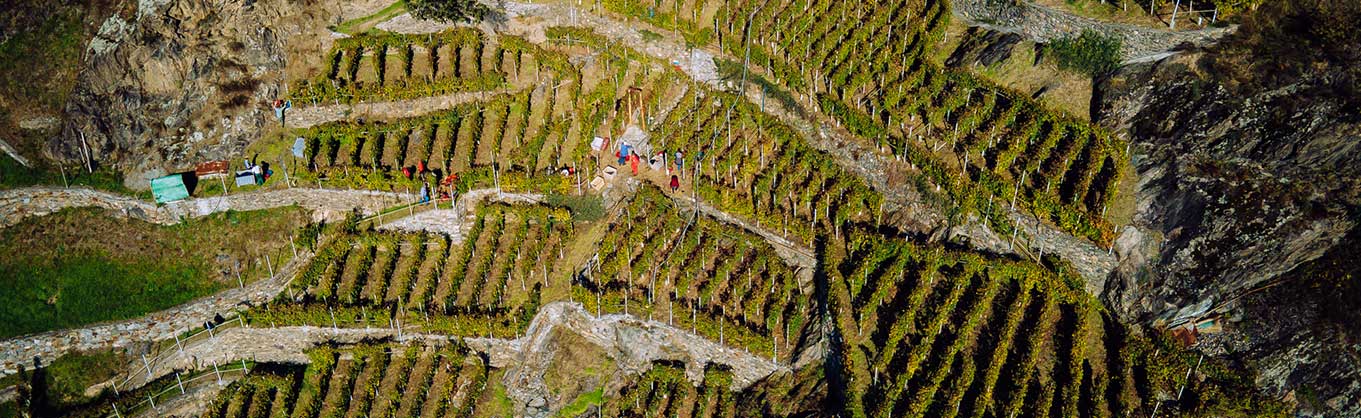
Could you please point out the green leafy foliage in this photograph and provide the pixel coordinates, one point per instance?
(1091, 53)
(449, 11)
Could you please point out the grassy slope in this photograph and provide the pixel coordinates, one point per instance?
(54, 273)
(360, 25)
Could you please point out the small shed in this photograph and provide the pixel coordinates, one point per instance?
(169, 188)
(211, 168)
(1185, 335)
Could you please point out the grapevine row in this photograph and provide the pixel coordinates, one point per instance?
(718, 280)
(488, 284)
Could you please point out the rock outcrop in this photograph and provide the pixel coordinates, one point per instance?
(1044, 24)
(631, 343)
(179, 82)
(1239, 193)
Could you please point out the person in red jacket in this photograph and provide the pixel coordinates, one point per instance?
(675, 183)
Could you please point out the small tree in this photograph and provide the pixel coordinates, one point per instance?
(447, 10)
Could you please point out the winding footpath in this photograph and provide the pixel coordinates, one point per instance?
(306, 117)
(459, 219)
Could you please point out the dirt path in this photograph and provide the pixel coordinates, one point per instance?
(459, 219)
(633, 345)
(272, 345)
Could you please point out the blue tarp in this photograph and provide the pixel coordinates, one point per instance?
(169, 188)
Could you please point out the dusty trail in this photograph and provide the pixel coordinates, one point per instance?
(459, 219)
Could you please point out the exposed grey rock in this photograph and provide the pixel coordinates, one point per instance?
(1044, 24)
(1237, 193)
(631, 342)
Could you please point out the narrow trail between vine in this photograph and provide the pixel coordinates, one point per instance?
(461, 217)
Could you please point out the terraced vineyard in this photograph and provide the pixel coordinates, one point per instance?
(664, 391)
(267, 391)
(693, 19)
(867, 67)
(717, 280)
(515, 133)
(760, 169)
(934, 333)
(490, 284)
(391, 66)
(386, 380)
(526, 134)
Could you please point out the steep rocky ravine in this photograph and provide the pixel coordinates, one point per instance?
(1246, 199)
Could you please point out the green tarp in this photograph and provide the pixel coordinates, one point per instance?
(169, 188)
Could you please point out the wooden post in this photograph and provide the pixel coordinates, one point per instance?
(1175, 8)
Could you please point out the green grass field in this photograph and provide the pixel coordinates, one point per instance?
(81, 266)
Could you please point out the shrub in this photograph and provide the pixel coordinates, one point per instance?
(448, 10)
(1091, 53)
(586, 208)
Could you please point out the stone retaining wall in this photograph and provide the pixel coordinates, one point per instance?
(1044, 24)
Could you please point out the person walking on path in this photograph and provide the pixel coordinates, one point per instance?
(675, 183)
(633, 163)
(425, 192)
(680, 161)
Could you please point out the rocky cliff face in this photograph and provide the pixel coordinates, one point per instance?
(1241, 196)
(180, 82)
